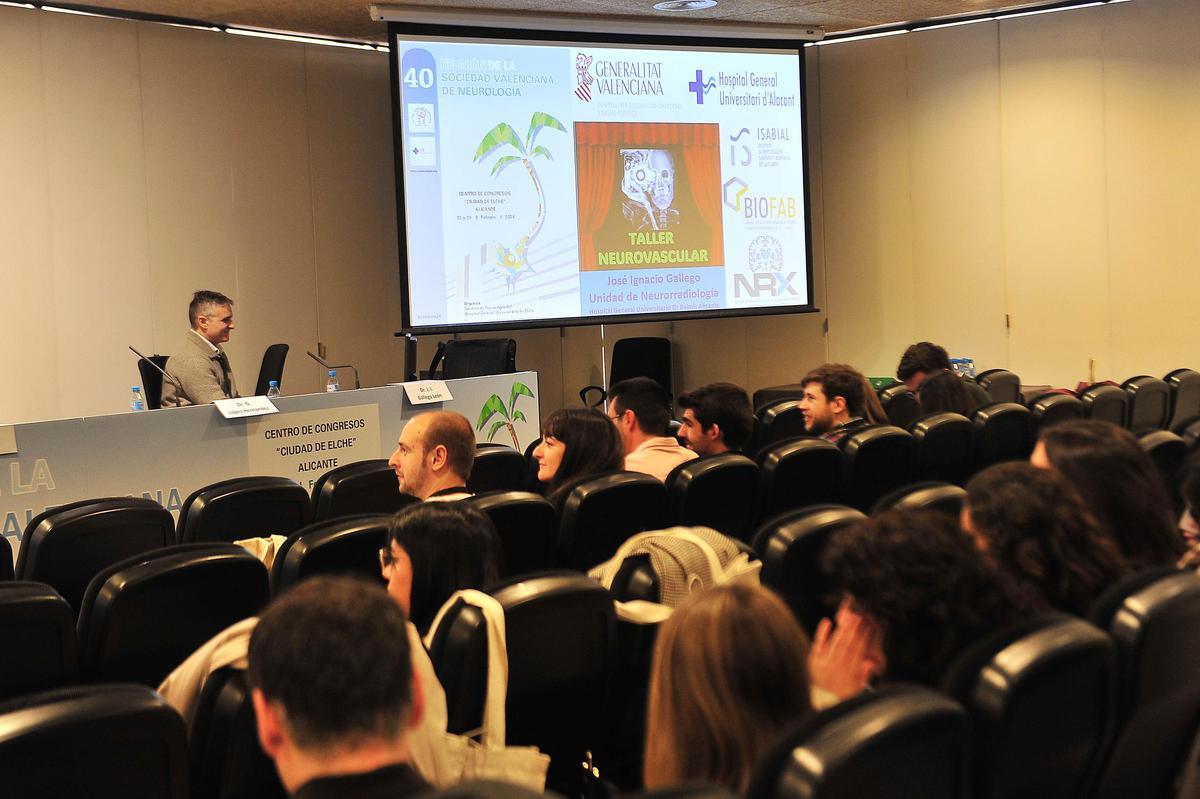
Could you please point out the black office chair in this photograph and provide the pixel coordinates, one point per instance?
(1003, 432)
(1105, 402)
(796, 473)
(271, 368)
(1185, 395)
(1041, 707)
(152, 380)
(527, 524)
(790, 546)
(718, 492)
(476, 357)
(1054, 408)
(144, 616)
(38, 650)
(1149, 403)
(65, 547)
(942, 448)
(357, 488)
(900, 405)
(929, 495)
(646, 356)
(899, 742)
(778, 422)
(244, 507)
(772, 394)
(1156, 628)
(561, 638)
(1000, 384)
(875, 460)
(225, 760)
(346, 545)
(497, 468)
(95, 740)
(601, 512)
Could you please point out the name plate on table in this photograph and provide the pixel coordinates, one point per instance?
(8, 439)
(423, 392)
(242, 407)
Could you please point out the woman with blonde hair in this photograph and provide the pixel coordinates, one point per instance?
(729, 674)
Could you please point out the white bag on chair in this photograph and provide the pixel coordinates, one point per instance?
(489, 758)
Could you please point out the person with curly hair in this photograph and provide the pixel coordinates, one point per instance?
(1119, 484)
(923, 591)
(945, 392)
(576, 443)
(1033, 524)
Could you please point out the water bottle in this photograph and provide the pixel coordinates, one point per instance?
(136, 401)
(273, 389)
(332, 385)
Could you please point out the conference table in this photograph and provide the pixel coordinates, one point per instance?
(166, 454)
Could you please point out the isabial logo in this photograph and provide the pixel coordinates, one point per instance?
(700, 87)
(583, 78)
(765, 254)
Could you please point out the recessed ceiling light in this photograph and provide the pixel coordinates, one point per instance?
(684, 5)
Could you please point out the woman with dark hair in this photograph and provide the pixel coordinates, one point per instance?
(576, 442)
(944, 392)
(1031, 522)
(729, 674)
(1120, 486)
(434, 549)
(922, 588)
(1189, 488)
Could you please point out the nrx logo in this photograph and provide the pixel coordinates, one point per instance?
(700, 87)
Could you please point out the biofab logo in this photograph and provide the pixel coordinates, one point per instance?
(583, 78)
(700, 87)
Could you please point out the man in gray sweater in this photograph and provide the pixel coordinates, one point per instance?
(201, 367)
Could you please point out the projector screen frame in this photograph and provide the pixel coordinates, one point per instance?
(660, 38)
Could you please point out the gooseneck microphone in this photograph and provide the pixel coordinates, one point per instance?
(349, 366)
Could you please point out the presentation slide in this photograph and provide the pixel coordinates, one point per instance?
(551, 181)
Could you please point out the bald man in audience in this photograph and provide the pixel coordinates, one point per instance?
(434, 455)
(640, 408)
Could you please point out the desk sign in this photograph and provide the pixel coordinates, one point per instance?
(8, 439)
(245, 406)
(303, 445)
(423, 392)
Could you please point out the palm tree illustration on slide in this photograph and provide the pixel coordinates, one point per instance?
(510, 414)
(512, 261)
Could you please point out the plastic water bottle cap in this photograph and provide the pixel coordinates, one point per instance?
(332, 373)
(273, 382)
(137, 388)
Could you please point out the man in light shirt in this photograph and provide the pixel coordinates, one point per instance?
(640, 408)
(201, 367)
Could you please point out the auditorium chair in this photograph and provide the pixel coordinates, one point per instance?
(942, 447)
(1000, 384)
(225, 760)
(900, 404)
(1168, 451)
(347, 545)
(244, 507)
(66, 546)
(527, 525)
(1003, 432)
(803, 471)
(790, 546)
(356, 488)
(561, 639)
(1190, 433)
(7, 573)
(642, 356)
(497, 468)
(601, 511)
(1105, 402)
(1149, 403)
(38, 649)
(718, 492)
(779, 421)
(875, 460)
(271, 368)
(1156, 628)
(1185, 395)
(772, 394)
(900, 742)
(1040, 696)
(94, 740)
(928, 495)
(1054, 408)
(142, 617)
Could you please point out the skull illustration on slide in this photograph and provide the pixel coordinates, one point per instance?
(649, 186)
